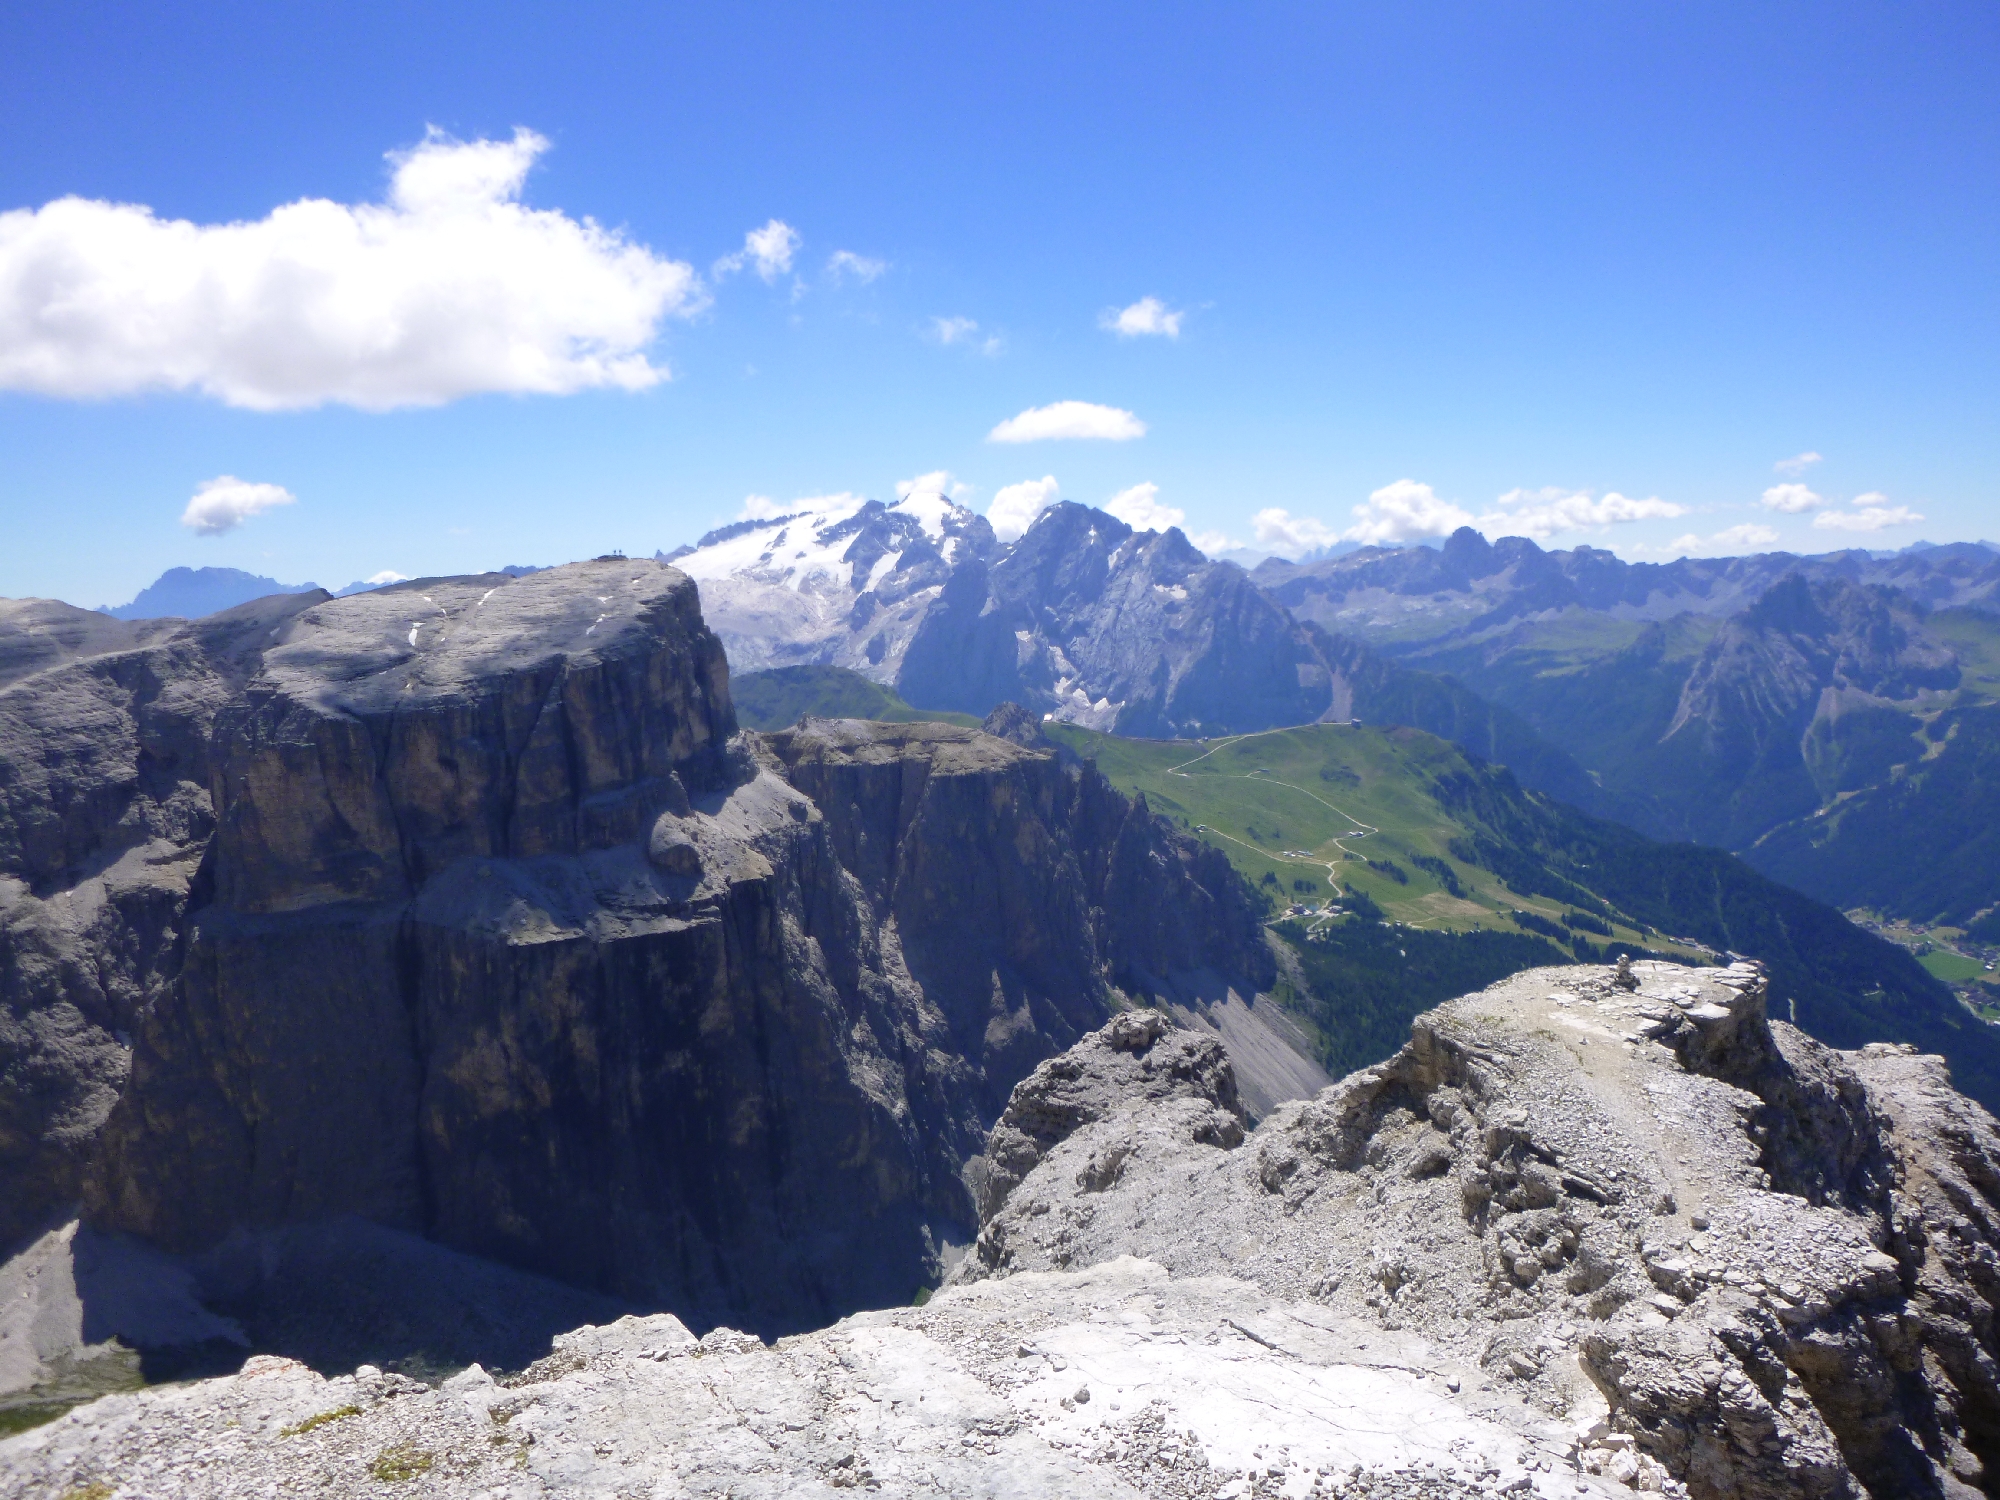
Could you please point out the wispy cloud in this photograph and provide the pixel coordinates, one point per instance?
(1411, 511)
(965, 331)
(1405, 511)
(763, 507)
(449, 288)
(226, 502)
(1015, 506)
(767, 251)
(936, 482)
(1871, 512)
(1797, 464)
(1729, 542)
(845, 264)
(1148, 317)
(1069, 419)
(1551, 511)
(1289, 535)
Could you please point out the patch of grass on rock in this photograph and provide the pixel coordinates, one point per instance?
(400, 1461)
(319, 1419)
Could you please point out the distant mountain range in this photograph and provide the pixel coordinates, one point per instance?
(1789, 708)
(1835, 719)
(196, 593)
(1082, 619)
(1831, 718)
(193, 593)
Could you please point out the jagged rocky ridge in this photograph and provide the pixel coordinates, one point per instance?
(1588, 1233)
(1748, 1264)
(462, 907)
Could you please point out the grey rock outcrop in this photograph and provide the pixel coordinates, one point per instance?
(1743, 1263)
(461, 907)
(1114, 1383)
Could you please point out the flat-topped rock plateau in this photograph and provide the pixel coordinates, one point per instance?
(463, 909)
(1576, 1238)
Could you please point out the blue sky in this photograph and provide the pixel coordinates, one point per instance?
(1604, 261)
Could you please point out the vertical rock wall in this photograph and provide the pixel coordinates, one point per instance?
(513, 942)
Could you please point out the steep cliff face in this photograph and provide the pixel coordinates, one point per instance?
(503, 934)
(105, 819)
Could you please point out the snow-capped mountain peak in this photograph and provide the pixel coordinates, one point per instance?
(836, 578)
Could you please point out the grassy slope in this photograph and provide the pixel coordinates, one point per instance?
(777, 699)
(1976, 638)
(1283, 804)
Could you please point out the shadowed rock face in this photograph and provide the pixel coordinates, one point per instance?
(503, 935)
(105, 818)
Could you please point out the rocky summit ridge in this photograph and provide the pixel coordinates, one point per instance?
(1589, 1232)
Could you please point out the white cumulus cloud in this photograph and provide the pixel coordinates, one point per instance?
(1405, 511)
(450, 288)
(1015, 506)
(936, 482)
(767, 251)
(1550, 511)
(1729, 542)
(386, 576)
(1410, 511)
(1797, 464)
(1871, 512)
(1069, 419)
(1291, 536)
(863, 268)
(1791, 499)
(1147, 316)
(226, 502)
(1139, 507)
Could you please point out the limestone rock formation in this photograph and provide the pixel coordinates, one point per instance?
(1743, 1263)
(1114, 1383)
(461, 907)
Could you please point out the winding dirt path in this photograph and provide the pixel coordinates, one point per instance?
(1368, 830)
